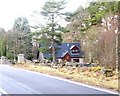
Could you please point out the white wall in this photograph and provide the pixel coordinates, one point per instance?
(41, 57)
(21, 58)
(3, 60)
(80, 60)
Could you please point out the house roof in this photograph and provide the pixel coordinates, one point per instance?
(63, 49)
(72, 46)
(66, 47)
(47, 55)
(63, 54)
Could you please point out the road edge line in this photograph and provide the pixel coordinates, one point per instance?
(73, 82)
(3, 91)
(81, 84)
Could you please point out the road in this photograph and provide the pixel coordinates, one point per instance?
(20, 81)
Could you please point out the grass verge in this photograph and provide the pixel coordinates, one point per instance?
(84, 75)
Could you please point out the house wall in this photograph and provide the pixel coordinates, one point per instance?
(67, 57)
(75, 48)
(3, 60)
(59, 60)
(80, 60)
(41, 57)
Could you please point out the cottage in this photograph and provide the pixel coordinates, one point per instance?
(70, 52)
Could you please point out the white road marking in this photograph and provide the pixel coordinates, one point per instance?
(18, 84)
(73, 82)
(3, 91)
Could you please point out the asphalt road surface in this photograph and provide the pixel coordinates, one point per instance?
(19, 81)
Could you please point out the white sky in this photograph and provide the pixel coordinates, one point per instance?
(11, 9)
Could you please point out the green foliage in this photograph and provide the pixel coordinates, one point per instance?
(52, 10)
(98, 10)
(75, 26)
(3, 45)
(63, 29)
(52, 6)
(22, 36)
(85, 25)
(10, 55)
(43, 49)
(69, 16)
(30, 56)
(21, 24)
(44, 44)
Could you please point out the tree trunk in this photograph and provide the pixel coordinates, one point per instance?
(53, 43)
(117, 43)
(118, 52)
(53, 50)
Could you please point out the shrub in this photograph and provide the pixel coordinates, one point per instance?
(29, 56)
(95, 69)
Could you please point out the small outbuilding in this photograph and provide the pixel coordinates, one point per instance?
(3, 60)
(21, 58)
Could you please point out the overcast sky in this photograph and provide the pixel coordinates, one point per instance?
(11, 9)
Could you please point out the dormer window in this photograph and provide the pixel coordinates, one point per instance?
(74, 50)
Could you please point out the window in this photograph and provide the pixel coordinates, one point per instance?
(75, 60)
(75, 52)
